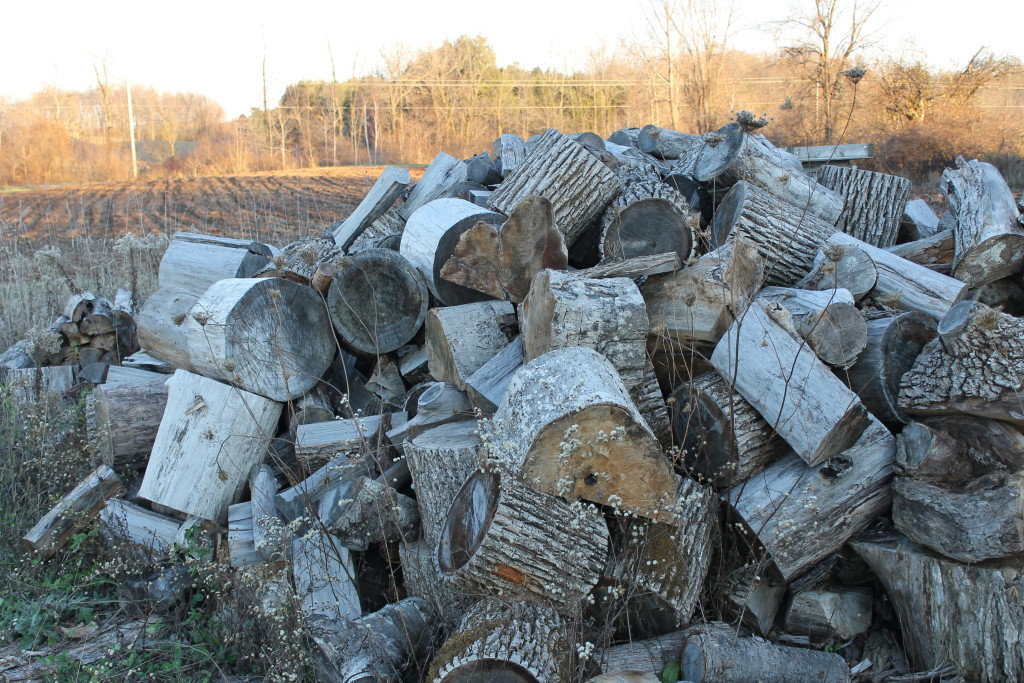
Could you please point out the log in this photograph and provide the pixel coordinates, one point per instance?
(724, 440)
(606, 315)
(664, 143)
(989, 239)
(422, 578)
(969, 615)
(846, 267)
(490, 381)
(510, 151)
(443, 175)
(650, 403)
(441, 460)
(577, 184)
(502, 262)
(414, 365)
(873, 202)
(716, 653)
(300, 260)
(316, 405)
(651, 655)
(148, 531)
(504, 538)
(75, 510)
(826, 319)
(787, 238)
(906, 285)
(431, 237)
(121, 420)
(324, 577)
(387, 188)
(756, 597)
(78, 306)
(918, 222)
(807, 405)
(268, 534)
(317, 443)
(209, 439)
(699, 303)
(522, 640)
(802, 514)
(241, 542)
(140, 360)
(270, 336)
(304, 498)
(378, 647)
(193, 262)
(438, 404)
(31, 385)
(627, 137)
(648, 217)
(635, 267)
(731, 155)
(893, 343)
(460, 339)
(978, 369)
(823, 613)
(568, 427)
(368, 511)
(931, 455)
(161, 329)
(990, 446)
(1006, 295)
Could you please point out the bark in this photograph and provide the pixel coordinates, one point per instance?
(989, 239)
(460, 339)
(568, 426)
(193, 262)
(648, 217)
(498, 640)
(422, 578)
(210, 438)
(873, 202)
(786, 237)
(795, 392)
(510, 151)
(387, 188)
(650, 403)
(969, 615)
(377, 302)
(578, 185)
(72, 512)
(664, 143)
(271, 337)
(365, 511)
(801, 514)
(502, 537)
(300, 260)
(650, 655)
(122, 420)
(635, 267)
(893, 344)
(826, 319)
(324, 578)
(606, 315)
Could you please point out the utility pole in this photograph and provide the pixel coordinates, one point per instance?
(131, 132)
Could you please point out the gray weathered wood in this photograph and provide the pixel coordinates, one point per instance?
(149, 531)
(845, 267)
(162, 332)
(268, 533)
(422, 579)
(303, 499)
(873, 202)
(510, 150)
(210, 438)
(934, 252)
(241, 542)
(122, 419)
(648, 217)
(756, 596)
(318, 442)
(839, 613)
(72, 512)
(440, 403)
(460, 339)
(664, 143)
(826, 319)
(193, 262)
(387, 188)
(443, 175)
(489, 382)
(325, 582)
(650, 655)
(919, 221)
(270, 336)
(365, 511)
(635, 267)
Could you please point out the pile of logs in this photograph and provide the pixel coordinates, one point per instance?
(595, 407)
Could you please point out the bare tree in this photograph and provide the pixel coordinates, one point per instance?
(705, 27)
(828, 35)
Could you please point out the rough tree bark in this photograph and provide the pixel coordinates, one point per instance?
(873, 202)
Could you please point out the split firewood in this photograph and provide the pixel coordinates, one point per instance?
(635, 267)
(325, 581)
(387, 188)
(607, 315)
(715, 652)
(144, 529)
(366, 511)
(377, 301)
(627, 137)
(577, 184)
(439, 181)
(873, 202)
(502, 537)
(441, 460)
(797, 394)
(934, 252)
(699, 303)
(510, 151)
(918, 221)
(502, 262)
(460, 339)
(480, 170)
(893, 344)
(568, 426)
(210, 438)
(842, 267)
(969, 615)
(787, 237)
(651, 655)
(440, 403)
(755, 596)
(299, 260)
(499, 640)
(122, 420)
(303, 499)
(386, 383)
(837, 613)
(723, 438)
(268, 534)
(976, 367)
(989, 238)
(431, 237)
(78, 306)
(75, 510)
(316, 405)
(378, 647)
(802, 514)
(903, 284)
(162, 332)
(664, 143)
(414, 365)
(826, 319)
(490, 381)
(731, 155)
(193, 262)
(648, 217)
(271, 337)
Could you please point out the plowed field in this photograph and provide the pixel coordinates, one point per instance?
(271, 207)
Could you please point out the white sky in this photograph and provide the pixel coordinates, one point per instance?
(216, 48)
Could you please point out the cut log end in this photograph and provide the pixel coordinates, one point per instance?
(468, 521)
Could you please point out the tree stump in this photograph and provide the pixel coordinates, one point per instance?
(271, 337)
(873, 202)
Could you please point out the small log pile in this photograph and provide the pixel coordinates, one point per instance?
(597, 408)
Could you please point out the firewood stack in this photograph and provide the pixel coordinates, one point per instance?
(720, 446)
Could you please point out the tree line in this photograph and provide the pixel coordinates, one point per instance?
(823, 85)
